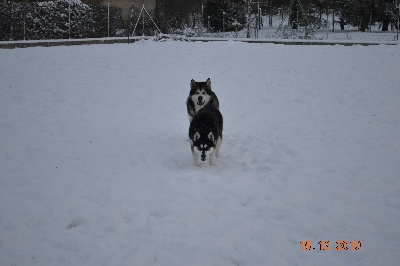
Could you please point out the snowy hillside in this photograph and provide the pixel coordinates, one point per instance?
(96, 168)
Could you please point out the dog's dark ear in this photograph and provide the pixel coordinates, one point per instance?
(211, 136)
(208, 82)
(192, 83)
(196, 136)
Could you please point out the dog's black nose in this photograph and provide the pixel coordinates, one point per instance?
(203, 157)
(200, 98)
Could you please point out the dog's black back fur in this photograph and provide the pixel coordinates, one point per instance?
(208, 119)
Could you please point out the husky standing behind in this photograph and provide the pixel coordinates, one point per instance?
(200, 95)
(205, 134)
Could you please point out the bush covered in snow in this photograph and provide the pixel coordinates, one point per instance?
(59, 19)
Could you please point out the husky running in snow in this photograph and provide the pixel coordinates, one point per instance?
(200, 95)
(205, 135)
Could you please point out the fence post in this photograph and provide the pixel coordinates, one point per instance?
(370, 22)
(223, 20)
(398, 19)
(202, 15)
(24, 7)
(69, 19)
(248, 19)
(108, 19)
(327, 23)
(143, 21)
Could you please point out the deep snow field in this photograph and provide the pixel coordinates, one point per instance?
(96, 168)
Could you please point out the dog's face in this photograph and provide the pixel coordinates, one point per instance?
(200, 93)
(200, 97)
(204, 146)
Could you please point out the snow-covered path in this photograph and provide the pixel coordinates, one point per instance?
(96, 169)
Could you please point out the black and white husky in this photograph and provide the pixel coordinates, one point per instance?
(200, 95)
(205, 134)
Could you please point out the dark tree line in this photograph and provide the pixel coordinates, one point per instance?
(219, 15)
(50, 20)
(214, 15)
(224, 15)
(360, 13)
(174, 15)
(356, 13)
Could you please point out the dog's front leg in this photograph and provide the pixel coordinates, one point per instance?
(212, 158)
(195, 158)
(218, 147)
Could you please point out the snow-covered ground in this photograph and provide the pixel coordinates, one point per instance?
(96, 168)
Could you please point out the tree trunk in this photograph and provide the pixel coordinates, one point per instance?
(364, 25)
(385, 25)
(364, 22)
(293, 17)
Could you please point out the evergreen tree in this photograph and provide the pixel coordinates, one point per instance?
(221, 14)
(175, 15)
(359, 13)
(11, 21)
(60, 19)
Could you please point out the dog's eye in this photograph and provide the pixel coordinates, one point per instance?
(197, 92)
(203, 93)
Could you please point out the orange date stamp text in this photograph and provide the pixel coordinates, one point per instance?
(324, 245)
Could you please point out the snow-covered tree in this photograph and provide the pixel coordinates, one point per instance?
(11, 21)
(60, 19)
(222, 14)
(176, 15)
(360, 13)
(100, 18)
